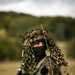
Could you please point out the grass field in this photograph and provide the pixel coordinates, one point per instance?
(71, 63)
(10, 68)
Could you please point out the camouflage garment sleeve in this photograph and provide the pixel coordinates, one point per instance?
(48, 67)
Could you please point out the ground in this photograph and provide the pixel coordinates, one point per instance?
(9, 68)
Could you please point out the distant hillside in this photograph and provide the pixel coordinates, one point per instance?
(18, 23)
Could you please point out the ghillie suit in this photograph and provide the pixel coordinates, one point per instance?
(51, 63)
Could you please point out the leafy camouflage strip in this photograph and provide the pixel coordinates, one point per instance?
(28, 58)
(53, 68)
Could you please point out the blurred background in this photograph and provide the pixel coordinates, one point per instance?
(19, 16)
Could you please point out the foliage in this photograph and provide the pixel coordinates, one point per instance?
(9, 50)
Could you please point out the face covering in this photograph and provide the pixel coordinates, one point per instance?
(39, 53)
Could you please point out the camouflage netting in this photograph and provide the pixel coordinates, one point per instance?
(28, 58)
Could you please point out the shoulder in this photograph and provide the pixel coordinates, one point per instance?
(45, 66)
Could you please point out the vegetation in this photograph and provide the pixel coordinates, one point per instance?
(12, 25)
(71, 48)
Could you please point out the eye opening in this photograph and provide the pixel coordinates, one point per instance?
(38, 44)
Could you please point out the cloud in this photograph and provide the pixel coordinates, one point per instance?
(68, 1)
(8, 1)
(42, 7)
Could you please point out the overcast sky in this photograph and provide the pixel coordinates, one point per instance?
(40, 7)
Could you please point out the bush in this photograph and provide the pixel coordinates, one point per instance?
(9, 50)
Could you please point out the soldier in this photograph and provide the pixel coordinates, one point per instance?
(40, 55)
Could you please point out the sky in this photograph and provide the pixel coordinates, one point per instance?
(40, 7)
